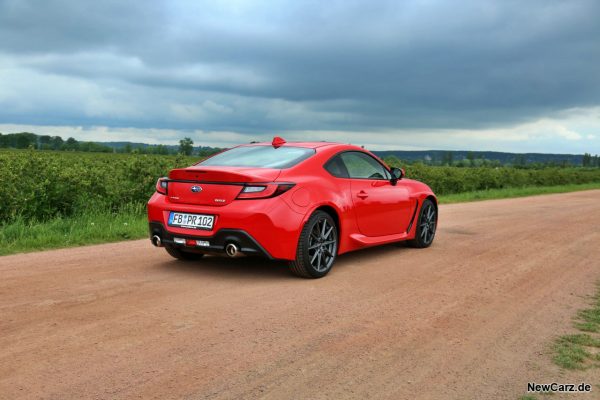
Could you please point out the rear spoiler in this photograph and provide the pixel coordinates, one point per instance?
(210, 175)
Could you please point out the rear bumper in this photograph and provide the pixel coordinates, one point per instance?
(217, 242)
(267, 227)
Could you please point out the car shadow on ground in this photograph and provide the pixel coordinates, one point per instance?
(359, 256)
(242, 267)
(256, 268)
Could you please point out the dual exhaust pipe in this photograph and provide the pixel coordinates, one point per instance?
(231, 248)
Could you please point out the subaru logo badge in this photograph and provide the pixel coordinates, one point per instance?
(196, 189)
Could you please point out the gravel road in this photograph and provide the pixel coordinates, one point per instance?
(468, 318)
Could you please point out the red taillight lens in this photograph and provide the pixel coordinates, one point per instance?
(264, 191)
(162, 185)
(282, 188)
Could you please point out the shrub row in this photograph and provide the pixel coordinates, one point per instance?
(38, 185)
(449, 180)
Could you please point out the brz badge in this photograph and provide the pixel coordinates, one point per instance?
(196, 189)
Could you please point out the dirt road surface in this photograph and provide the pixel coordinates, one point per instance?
(471, 317)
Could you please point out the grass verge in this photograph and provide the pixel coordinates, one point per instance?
(91, 227)
(514, 192)
(581, 350)
(100, 226)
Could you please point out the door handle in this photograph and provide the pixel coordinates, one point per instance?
(362, 194)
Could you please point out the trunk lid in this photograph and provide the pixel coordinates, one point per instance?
(214, 186)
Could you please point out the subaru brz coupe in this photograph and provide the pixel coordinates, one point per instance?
(302, 202)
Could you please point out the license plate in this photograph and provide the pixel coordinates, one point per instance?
(193, 221)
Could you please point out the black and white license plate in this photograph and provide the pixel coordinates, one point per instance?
(193, 221)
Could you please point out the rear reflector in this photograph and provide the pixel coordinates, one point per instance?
(192, 242)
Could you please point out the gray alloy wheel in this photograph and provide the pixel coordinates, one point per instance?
(426, 225)
(317, 247)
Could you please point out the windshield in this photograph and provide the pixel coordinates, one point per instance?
(260, 157)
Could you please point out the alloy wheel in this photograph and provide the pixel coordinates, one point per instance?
(322, 245)
(428, 224)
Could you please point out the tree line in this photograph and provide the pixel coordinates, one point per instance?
(590, 161)
(27, 140)
(475, 160)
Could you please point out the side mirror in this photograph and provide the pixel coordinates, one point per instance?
(397, 174)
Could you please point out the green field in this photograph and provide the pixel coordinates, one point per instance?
(59, 199)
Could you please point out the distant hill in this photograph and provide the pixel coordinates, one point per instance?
(173, 148)
(120, 145)
(504, 158)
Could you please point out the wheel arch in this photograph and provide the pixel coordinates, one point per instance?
(298, 265)
(421, 198)
(330, 209)
(332, 212)
(433, 200)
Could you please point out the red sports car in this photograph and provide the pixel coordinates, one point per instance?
(301, 202)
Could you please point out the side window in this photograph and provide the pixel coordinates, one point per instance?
(363, 166)
(336, 167)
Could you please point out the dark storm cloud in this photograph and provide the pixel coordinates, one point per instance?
(63, 26)
(308, 65)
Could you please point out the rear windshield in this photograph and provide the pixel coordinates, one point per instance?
(260, 157)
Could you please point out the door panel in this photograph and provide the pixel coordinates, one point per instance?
(381, 209)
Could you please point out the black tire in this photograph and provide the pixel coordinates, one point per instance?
(426, 225)
(182, 255)
(317, 247)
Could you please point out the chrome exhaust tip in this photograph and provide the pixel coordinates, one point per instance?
(231, 250)
(156, 241)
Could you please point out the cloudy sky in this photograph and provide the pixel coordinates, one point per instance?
(502, 75)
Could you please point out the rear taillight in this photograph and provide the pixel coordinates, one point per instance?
(162, 185)
(263, 191)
